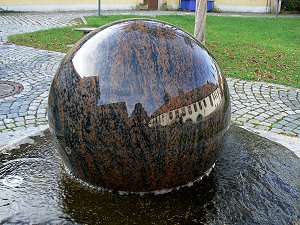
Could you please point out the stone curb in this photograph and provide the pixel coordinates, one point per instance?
(83, 20)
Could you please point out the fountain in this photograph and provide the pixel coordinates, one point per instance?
(138, 106)
(254, 181)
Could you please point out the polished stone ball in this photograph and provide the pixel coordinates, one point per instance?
(139, 105)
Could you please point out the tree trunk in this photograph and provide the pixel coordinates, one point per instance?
(200, 20)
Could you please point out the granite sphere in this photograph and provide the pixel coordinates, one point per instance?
(139, 105)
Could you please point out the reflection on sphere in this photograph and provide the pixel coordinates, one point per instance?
(139, 105)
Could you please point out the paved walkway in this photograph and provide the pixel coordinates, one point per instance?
(255, 105)
(17, 23)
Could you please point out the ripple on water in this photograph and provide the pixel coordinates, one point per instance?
(254, 181)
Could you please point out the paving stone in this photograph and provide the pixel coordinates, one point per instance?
(264, 115)
(22, 114)
(242, 119)
(238, 123)
(260, 127)
(277, 125)
(283, 122)
(289, 119)
(2, 117)
(10, 125)
(7, 121)
(293, 125)
(297, 122)
(290, 133)
(262, 123)
(276, 130)
(29, 117)
(2, 128)
(40, 115)
(32, 121)
(249, 125)
(18, 128)
(260, 110)
(297, 130)
(20, 123)
(254, 121)
(288, 128)
(254, 113)
(294, 116)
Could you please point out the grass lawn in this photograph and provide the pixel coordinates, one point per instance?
(251, 48)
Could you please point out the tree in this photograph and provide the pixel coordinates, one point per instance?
(99, 7)
(200, 20)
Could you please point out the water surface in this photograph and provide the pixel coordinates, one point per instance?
(254, 181)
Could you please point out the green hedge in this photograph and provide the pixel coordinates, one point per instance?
(290, 5)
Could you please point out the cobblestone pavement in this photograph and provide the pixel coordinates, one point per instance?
(265, 106)
(256, 105)
(33, 69)
(17, 23)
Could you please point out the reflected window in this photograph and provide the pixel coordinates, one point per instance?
(190, 109)
(171, 115)
(200, 105)
(189, 121)
(183, 112)
(204, 103)
(195, 107)
(211, 102)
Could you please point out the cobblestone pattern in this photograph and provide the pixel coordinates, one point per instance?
(34, 69)
(31, 67)
(257, 105)
(17, 23)
(265, 106)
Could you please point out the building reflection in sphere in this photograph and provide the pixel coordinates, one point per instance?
(139, 105)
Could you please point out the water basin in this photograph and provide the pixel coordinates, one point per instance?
(254, 181)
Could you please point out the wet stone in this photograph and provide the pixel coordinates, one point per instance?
(154, 119)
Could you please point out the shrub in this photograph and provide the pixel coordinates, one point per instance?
(290, 5)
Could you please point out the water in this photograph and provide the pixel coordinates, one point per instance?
(254, 181)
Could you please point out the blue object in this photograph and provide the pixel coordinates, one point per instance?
(183, 4)
(210, 6)
(191, 5)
